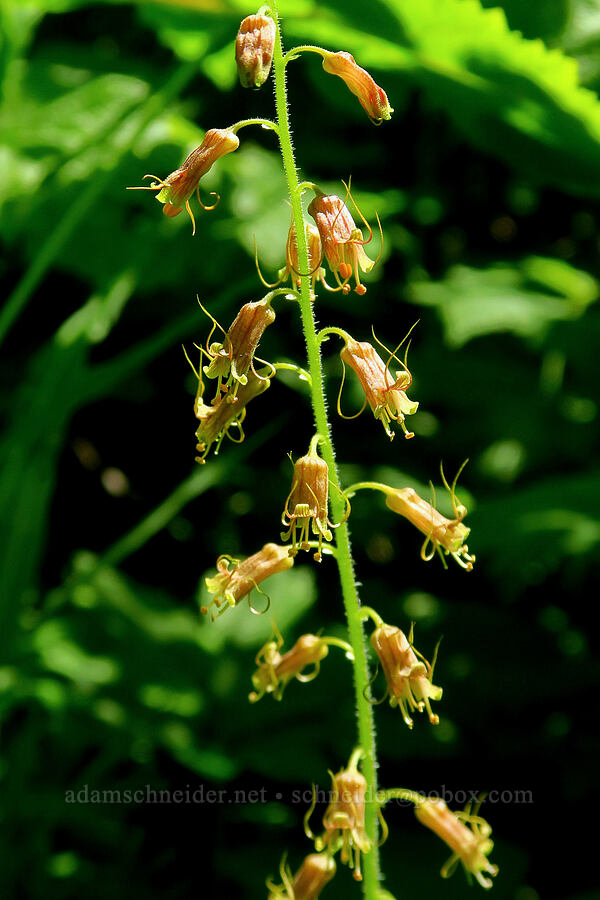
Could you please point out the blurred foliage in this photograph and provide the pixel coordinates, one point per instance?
(486, 182)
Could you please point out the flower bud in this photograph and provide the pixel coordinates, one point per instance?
(371, 97)
(385, 396)
(254, 50)
(408, 678)
(235, 579)
(467, 835)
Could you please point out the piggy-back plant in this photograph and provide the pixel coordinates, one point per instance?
(316, 511)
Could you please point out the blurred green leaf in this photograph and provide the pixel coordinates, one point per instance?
(524, 298)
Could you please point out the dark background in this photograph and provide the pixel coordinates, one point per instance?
(486, 181)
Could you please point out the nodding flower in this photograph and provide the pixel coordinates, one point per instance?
(316, 871)
(254, 49)
(175, 191)
(276, 669)
(446, 536)
(407, 673)
(235, 579)
(385, 394)
(291, 269)
(221, 416)
(371, 97)
(344, 819)
(232, 360)
(342, 241)
(466, 833)
(308, 502)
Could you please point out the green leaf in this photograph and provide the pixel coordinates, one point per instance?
(524, 299)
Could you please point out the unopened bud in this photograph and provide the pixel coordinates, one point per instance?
(371, 97)
(254, 49)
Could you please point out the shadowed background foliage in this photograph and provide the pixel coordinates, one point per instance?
(487, 182)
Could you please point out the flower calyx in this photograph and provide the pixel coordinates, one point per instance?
(306, 507)
(235, 579)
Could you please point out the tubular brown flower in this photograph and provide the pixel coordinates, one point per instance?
(407, 673)
(233, 359)
(221, 416)
(175, 190)
(342, 241)
(306, 507)
(385, 395)
(275, 669)
(236, 578)
(316, 871)
(371, 97)
(447, 536)
(344, 819)
(467, 835)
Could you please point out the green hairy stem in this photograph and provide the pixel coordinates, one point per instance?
(343, 556)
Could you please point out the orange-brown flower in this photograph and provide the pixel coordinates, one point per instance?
(344, 819)
(467, 835)
(316, 871)
(219, 418)
(342, 241)
(306, 506)
(254, 49)
(175, 191)
(407, 673)
(447, 536)
(276, 669)
(236, 578)
(292, 269)
(385, 395)
(232, 360)
(371, 97)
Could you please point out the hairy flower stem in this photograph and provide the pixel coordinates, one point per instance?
(366, 729)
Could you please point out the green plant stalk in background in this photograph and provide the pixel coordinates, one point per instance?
(343, 553)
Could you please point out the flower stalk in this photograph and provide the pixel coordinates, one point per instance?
(343, 556)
